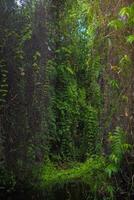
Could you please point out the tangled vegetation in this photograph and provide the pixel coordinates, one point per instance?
(96, 172)
(66, 98)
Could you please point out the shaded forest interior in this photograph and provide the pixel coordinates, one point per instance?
(67, 99)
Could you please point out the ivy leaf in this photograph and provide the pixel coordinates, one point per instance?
(114, 84)
(116, 24)
(125, 12)
(130, 39)
(110, 169)
(125, 60)
(70, 70)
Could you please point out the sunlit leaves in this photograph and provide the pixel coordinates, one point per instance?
(130, 39)
(125, 60)
(116, 24)
(110, 169)
(127, 12)
(70, 70)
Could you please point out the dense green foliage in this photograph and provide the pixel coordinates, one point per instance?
(66, 97)
(77, 95)
(97, 171)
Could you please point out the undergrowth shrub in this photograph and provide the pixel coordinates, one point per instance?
(97, 172)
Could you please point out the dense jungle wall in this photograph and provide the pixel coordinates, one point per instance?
(66, 98)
